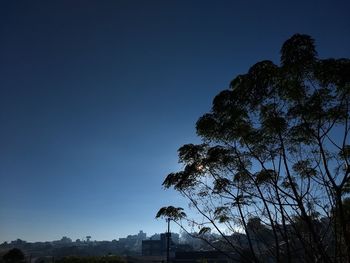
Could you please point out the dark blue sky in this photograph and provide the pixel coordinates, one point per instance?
(97, 96)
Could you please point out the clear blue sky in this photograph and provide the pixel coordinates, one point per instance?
(97, 96)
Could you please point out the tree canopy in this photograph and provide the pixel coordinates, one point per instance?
(274, 160)
(14, 255)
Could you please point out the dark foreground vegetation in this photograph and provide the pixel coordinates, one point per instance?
(105, 259)
(274, 164)
(15, 255)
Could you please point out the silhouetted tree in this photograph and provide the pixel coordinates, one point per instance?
(276, 150)
(14, 255)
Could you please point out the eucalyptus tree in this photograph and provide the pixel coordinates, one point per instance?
(275, 147)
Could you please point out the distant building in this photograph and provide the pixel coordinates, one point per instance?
(151, 248)
(197, 256)
(158, 247)
(133, 242)
(155, 247)
(146, 259)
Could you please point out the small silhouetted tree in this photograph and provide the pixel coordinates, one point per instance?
(276, 151)
(14, 255)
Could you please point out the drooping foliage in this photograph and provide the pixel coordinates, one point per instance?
(275, 147)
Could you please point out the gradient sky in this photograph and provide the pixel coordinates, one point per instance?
(97, 96)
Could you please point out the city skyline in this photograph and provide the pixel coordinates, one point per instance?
(96, 98)
(88, 238)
